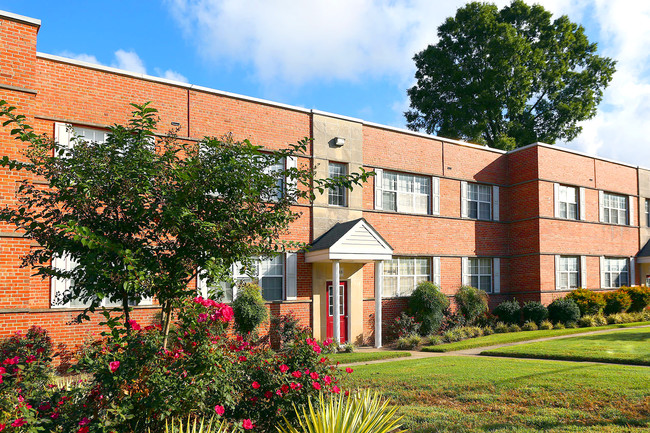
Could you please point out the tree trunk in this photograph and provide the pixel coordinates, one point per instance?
(167, 314)
(127, 314)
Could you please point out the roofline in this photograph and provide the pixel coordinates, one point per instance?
(20, 18)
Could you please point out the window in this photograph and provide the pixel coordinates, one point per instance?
(568, 273)
(275, 170)
(614, 208)
(89, 134)
(480, 273)
(647, 212)
(615, 272)
(402, 274)
(337, 194)
(405, 193)
(568, 202)
(479, 201)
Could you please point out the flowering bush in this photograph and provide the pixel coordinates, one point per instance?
(404, 326)
(588, 301)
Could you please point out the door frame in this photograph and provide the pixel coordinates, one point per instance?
(345, 330)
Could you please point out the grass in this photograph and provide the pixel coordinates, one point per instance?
(475, 394)
(630, 346)
(349, 358)
(514, 337)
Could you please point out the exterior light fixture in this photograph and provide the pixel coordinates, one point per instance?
(338, 141)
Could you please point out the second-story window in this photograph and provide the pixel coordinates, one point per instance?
(406, 193)
(479, 201)
(647, 212)
(614, 208)
(337, 196)
(568, 202)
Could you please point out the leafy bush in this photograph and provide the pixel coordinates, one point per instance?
(488, 331)
(587, 321)
(571, 325)
(534, 311)
(640, 296)
(27, 358)
(453, 335)
(427, 303)
(546, 325)
(471, 302)
(404, 325)
(563, 310)
(508, 311)
(617, 302)
(501, 328)
(249, 308)
(588, 301)
(435, 340)
(346, 348)
(514, 328)
(530, 326)
(408, 343)
(285, 329)
(559, 325)
(196, 426)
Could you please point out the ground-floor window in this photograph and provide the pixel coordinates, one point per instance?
(402, 274)
(615, 272)
(480, 273)
(568, 272)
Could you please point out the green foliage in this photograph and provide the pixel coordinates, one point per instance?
(26, 359)
(250, 309)
(508, 311)
(471, 302)
(588, 301)
(195, 426)
(534, 311)
(404, 325)
(559, 325)
(508, 77)
(546, 324)
(618, 301)
(408, 343)
(285, 329)
(640, 296)
(501, 328)
(428, 303)
(363, 412)
(530, 326)
(563, 310)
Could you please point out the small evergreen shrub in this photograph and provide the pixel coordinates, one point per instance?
(427, 303)
(514, 328)
(535, 312)
(435, 340)
(508, 311)
(488, 330)
(640, 296)
(563, 310)
(501, 328)
(408, 343)
(617, 302)
(588, 301)
(546, 325)
(587, 321)
(530, 326)
(347, 348)
(471, 303)
(249, 309)
(559, 325)
(572, 325)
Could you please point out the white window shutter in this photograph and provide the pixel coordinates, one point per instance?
(602, 272)
(583, 206)
(201, 285)
(436, 271)
(601, 206)
(630, 210)
(583, 272)
(292, 276)
(435, 196)
(495, 203)
(465, 271)
(463, 199)
(379, 180)
(557, 272)
(556, 200)
(632, 281)
(292, 184)
(496, 265)
(63, 134)
(61, 285)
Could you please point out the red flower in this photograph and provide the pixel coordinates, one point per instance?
(113, 366)
(220, 410)
(294, 385)
(348, 370)
(323, 360)
(84, 429)
(247, 424)
(314, 375)
(19, 422)
(268, 394)
(296, 374)
(134, 325)
(30, 359)
(284, 368)
(327, 379)
(284, 388)
(336, 389)
(255, 385)
(242, 358)
(278, 393)
(2, 426)
(316, 385)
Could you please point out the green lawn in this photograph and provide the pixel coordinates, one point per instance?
(474, 394)
(630, 346)
(513, 337)
(349, 358)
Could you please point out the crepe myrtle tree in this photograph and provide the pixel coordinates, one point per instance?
(141, 213)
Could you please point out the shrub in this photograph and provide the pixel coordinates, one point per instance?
(563, 310)
(501, 328)
(31, 357)
(435, 340)
(546, 324)
(488, 330)
(600, 320)
(559, 325)
(408, 343)
(285, 329)
(196, 426)
(530, 326)
(404, 325)
(514, 328)
(534, 311)
(617, 302)
(451, 319)
(640, 296)
(249, 308)
(473, 331)
(427, 303)
(347, 348)
(508, 311)
(571, 325)
(588, 301)
(587, 321)
(471, 302)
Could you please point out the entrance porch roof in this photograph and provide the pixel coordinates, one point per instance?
(643, 256)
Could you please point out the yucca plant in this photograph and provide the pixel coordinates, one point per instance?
(195, 425)
(365, 412)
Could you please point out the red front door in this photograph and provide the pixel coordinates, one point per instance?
(343, 305)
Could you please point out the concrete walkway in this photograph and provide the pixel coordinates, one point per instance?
(478, 350)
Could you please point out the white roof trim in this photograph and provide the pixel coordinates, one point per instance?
(335, 252)
(21, 18)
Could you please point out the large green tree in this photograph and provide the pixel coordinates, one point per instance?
(141, 212)
(507, 78)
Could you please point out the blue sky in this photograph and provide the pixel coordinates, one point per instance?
(352, 57)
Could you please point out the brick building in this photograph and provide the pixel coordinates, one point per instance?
(531, 223)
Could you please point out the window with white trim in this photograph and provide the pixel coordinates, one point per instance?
(275, 170)
(406, 193)
(480, 273)
(616, 272)
(568, 202)
(337, 195)
(90, 134)
(647, 212)
(568, 273)
(479, 201)
(402, 275)
(614, 208)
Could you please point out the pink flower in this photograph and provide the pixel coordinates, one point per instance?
(316, 348)
(314, 375)
(202, 317)
(323, 360)
(3, 370)
(30, 359)
(247, 424)
(296, 374)
(327, 342)
(294, 385)
(348, 370)
(327, 380)
(226, 313)
(336, 389)
(278, 393)
(134, 325)
(113, 366)
(316, 385)
(255, 385)
(84, 421)
(284, 368)
(19, 422)
(220, 410)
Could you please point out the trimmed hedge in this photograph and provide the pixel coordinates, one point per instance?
(588, 301)
(508, 312)
(428, 303)
(563, 310)
(534, 311)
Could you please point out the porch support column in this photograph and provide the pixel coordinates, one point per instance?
(379, 285)
(335, 294)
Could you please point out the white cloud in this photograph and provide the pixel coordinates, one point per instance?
(171, 75)
(130, 61)
(89, 58)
